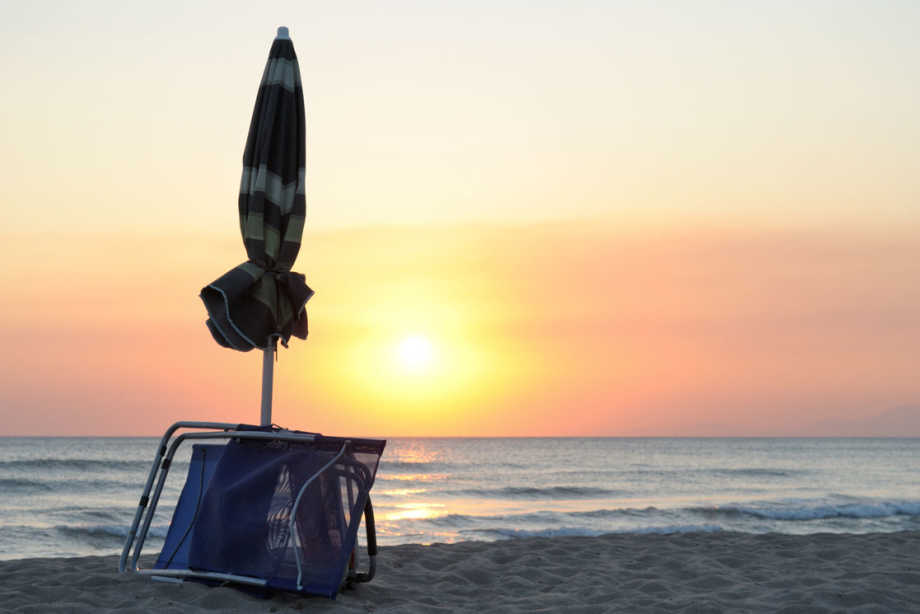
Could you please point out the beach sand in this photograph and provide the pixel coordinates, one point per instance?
(694, 572)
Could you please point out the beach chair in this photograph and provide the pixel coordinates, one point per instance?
(265, 507)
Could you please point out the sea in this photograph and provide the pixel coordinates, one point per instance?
(63, 497)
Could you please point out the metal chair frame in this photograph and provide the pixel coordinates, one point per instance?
(162, 461)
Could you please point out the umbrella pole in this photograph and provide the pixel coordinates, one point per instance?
(268, 371)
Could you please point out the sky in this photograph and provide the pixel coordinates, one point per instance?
(594, 218)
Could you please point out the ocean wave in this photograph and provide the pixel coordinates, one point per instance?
(455, 468)
(542, 516)
(21, 484)
(109, 532)
(674, 528)
(461, 520)
(586, 532)
(594, 472)
(633, 512)
(413, 466)
(414, 478)
(518, 533)
(757, 472)
(98, 514)
(697, 473)
(25, 485)
(722, 514)
(813, 511)
(80, 464)
(532, 492)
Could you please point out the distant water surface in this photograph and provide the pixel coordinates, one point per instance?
(77, 496)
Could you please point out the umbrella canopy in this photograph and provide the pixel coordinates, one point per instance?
(262, 300)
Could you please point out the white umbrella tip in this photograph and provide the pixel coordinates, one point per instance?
(283, 33)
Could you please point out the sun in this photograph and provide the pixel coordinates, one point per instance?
(415, 353)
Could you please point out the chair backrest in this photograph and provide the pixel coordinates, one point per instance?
(237, 515)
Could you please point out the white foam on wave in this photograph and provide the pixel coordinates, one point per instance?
(818, 510)
(585, 532)
(516, 533)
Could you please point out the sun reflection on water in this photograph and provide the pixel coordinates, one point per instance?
(416, 477)
(415, 511)
(413, 453)
(400, 492)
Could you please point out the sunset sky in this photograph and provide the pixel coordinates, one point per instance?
(554, 218)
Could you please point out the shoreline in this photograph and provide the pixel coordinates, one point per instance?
(718, 572)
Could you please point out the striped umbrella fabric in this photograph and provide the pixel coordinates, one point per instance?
(262, 300)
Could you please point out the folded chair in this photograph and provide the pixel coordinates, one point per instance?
(265, 507)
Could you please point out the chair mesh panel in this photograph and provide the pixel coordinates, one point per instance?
(243, 527)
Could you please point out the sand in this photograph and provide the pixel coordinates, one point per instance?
(700, 572)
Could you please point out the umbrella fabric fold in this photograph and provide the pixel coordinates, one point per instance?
(262, 299)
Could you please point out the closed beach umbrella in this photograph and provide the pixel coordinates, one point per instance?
(261, 301)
